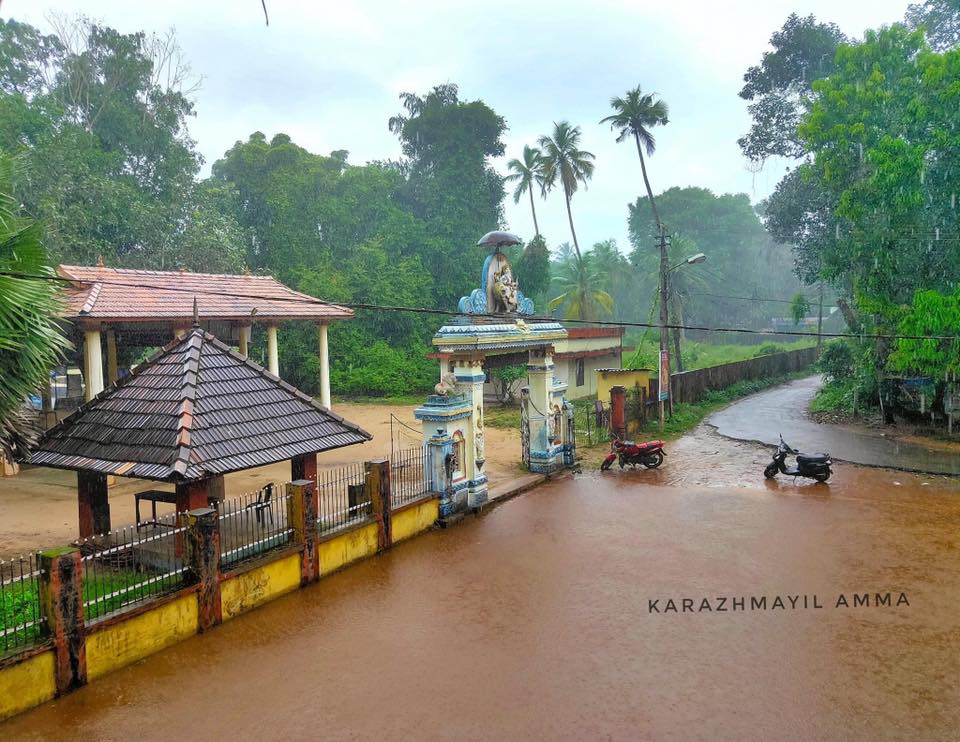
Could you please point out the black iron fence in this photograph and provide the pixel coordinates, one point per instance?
(21, 613)
(129, 565)
(591, 423)
(342, 498)
(254, 523)
(409, 475)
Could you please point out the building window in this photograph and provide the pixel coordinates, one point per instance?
(579, 372)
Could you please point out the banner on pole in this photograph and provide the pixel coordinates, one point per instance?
(664, 375)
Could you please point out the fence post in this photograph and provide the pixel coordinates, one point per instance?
(303, 504)
(377, 484)
(618, 411)
(203, 551)
(61, 596)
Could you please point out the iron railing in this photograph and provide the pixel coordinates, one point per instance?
(254, 523)
(591, 424)
(342, 498)
(22, 621)
(409, 475)
(129, 565)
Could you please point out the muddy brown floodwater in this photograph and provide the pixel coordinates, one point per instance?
(532, 622)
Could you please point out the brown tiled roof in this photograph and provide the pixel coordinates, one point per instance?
(195, 409)
(121, 295)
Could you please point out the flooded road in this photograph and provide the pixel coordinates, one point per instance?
(533, 622)
(764, 416)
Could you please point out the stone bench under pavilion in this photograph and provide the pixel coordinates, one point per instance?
(194, 412)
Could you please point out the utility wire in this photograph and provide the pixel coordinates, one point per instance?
(450, 313)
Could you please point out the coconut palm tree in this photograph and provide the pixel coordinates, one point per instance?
(526, 174)
(31, 342)
(577, 283)
(566, 163)
(634, 116)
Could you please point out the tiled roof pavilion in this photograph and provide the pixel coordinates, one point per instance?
(195, 411)
(148, 308)
(120, 295)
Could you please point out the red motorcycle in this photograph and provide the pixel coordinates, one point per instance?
(650, 454)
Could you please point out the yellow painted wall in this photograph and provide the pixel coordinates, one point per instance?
(27, 684)
(339, 551)
(622, 377)
(414, 519)
(127, 641)
(259, 585)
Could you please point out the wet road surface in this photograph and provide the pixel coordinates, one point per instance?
(532, 622)
(764, 416)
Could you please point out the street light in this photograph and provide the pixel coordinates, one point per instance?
(692, 260)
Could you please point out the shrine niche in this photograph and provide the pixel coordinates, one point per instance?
(453, 418)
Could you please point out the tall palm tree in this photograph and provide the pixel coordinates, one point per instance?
(578, 281)
(526, 174)
(31, 341)
(565, 162)
(634, 116)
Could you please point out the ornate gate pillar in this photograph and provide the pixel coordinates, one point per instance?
(546, 417)
(470, 378)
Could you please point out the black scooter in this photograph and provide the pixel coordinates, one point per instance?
(812, 465)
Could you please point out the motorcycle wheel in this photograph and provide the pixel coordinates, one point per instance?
(605, 465)
(822, 477)
(771, 471)
(652, 462)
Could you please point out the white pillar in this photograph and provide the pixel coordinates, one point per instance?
(92, 364)
(244, 344)
(324, 368)
(273, 357)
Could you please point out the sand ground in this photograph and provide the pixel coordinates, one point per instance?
(38, 507)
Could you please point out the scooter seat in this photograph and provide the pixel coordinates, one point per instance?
(813, 458)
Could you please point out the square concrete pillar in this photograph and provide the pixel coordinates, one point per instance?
(93, 504)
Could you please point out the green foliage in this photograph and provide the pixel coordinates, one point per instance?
(527, 174)
(940, 21)
(31, 341)
(799, 307)
(836, 360)
(779, 87)
(532, 269)
(767, 349)
(578, 290)
(930, 314)
(109, 167)
(562, 161)
(380, 369)
(505, 380)
(742, 260)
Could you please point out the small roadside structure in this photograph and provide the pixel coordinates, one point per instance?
(195, 411)
(115, 307)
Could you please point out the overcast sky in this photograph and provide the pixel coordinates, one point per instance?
(328, 74)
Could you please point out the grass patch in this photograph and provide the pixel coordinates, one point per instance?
(835, 396)
(20, 600)
(501, 416)
(697, 355)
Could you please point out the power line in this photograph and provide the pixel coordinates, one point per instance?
(506, 317)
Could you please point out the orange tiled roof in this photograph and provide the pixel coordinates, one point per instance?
(122, 295)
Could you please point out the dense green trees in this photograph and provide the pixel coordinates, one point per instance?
(98, 119)
(871, 206)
